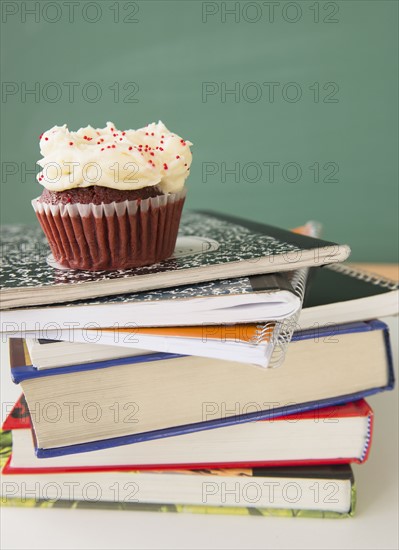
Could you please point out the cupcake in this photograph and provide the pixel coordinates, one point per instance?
(112, 199)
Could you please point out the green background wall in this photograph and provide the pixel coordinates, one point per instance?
(335, 101)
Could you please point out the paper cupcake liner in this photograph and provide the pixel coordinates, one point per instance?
(112, 236)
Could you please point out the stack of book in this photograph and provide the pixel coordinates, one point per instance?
(229, 378)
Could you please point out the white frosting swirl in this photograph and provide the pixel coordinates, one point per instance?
(108, 157)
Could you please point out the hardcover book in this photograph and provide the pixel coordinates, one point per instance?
(152, 395)
(338, 434)
(318, 491)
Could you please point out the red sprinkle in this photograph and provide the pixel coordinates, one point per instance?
(70, 143)
(165, 166)
(130, 148)
(177, 156)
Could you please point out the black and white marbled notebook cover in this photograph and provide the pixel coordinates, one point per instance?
(204, 240)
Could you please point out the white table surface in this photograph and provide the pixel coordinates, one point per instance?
(375, 525)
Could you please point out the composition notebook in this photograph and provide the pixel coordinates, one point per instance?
(241, 300)
(245, 343)
(263, 343)
(210, 246)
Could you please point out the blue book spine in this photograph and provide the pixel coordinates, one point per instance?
(255, 416)
(19, 373)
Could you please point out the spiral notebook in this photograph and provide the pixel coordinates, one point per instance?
(262, 344)
(340, 293)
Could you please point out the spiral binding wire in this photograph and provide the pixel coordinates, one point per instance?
(364, 276)
(281, 332)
